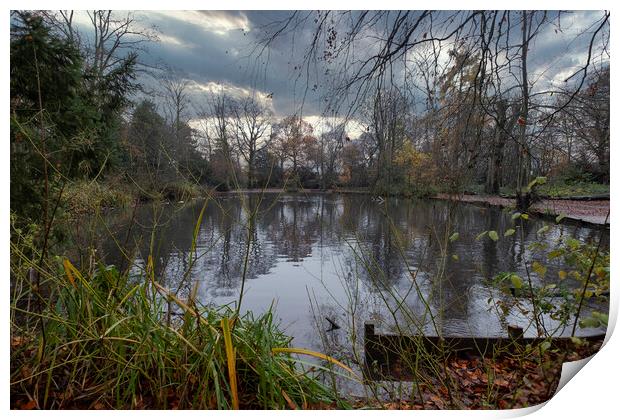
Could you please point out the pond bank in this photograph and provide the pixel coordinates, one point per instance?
(593, 212)
(283, 190)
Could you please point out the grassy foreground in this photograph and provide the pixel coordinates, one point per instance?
(106, 340)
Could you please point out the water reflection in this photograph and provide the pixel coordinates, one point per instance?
(345, 257)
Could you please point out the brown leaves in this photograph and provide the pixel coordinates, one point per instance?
(23, 405)
(439, 402)
(502, 382)
(593, 211)
(99, 406)
(399, 405)
(18, 341)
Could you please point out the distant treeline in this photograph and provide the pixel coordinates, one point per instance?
(78, 114)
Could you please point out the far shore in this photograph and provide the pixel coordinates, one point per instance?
(586, 211)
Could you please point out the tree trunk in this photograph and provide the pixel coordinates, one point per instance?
(523, 152)
(504, 126)
(251, 170)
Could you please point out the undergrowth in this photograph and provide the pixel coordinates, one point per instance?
(110, 340)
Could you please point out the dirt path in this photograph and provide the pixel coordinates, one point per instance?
(585, 211)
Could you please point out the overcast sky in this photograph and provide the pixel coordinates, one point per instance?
(218, 48)
(215, 50)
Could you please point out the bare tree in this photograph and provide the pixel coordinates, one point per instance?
(176, 105)
(331, 143)
(220, 132)
(176, 101)
(289, 136)
(114, 41)
(252, 120)
(62, 21)
(585, 125)
(365, 53)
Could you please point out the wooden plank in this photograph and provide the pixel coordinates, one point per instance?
(383, 351)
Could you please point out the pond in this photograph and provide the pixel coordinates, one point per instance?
(346, 257)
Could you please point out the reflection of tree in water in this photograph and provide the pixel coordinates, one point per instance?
(377, 247)
(294, 226)
(167, 226)
(376, 244)
(467, 260)
(224, 262)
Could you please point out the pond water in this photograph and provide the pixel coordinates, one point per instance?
(348, 258)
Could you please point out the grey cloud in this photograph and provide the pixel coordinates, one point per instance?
(207, 56)
(216, 46)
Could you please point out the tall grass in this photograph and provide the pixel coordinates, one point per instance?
(107, 343)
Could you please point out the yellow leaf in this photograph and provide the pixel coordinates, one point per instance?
(150, 269)
(68, 268)
(230, 356)
(277, 350)
(540, 269)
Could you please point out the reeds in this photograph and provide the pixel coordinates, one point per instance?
(108, 344)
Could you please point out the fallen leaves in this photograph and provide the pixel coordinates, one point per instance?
(439, 402)
(18, 341)
(594, 211)
(501, 382)
(29, 405)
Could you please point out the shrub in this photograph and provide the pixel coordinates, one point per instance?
(89, 196)
(180, 191)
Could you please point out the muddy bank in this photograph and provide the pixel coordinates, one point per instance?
(594, 211)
